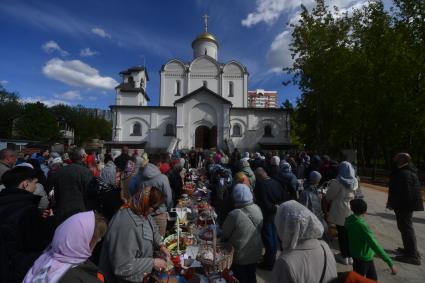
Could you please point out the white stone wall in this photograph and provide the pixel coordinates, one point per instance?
(252, 123)
(202, 69)
(153, 122)
(202, 48)
(202, 109)
(173, 71)
(233, 72)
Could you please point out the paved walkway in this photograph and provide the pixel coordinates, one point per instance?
(383, 225)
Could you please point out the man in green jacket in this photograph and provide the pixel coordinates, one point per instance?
(362, 243)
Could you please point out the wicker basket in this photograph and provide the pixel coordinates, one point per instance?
(225, 262)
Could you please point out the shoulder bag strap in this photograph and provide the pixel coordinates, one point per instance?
(324, 265)
(248, 215)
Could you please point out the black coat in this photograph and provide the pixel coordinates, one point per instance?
(268, 194)
(71, 188)
(176, 184)
(24, 234)
(86, 272)
(405, 190)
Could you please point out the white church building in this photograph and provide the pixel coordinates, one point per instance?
(203, 104)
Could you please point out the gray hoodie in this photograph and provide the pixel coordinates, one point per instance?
(152, 177)
(128, 247)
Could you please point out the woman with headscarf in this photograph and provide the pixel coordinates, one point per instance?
(288, 180)
(304, 258)
(66, 260)
(105, 192)
(245, 168)
(242, 229)
(340, 192)
(132, 236)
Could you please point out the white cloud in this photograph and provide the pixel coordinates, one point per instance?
(100, 32)
(269, 11)
(4, 82)
(279, 55)
(77, 73)
(70, 95)
(51, 46)
(48, 102)
(87, 52)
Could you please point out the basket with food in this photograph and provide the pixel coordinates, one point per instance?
(220, 258)
(207, 233)
(189, 188)
(185, 240)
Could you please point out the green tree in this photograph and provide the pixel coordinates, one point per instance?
(37, 123)
(10, 108)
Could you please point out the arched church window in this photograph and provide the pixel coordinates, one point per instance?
(169, 130)
(236, 130)
(231, 89)
(268, 131)
(205, 83)
(131, 81)
(178, 87)
(137, 129)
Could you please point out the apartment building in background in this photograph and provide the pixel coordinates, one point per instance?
(261, 98)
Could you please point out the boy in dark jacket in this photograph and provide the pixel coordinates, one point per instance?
(362, 242)
(24, 233)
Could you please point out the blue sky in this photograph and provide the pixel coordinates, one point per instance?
(72, 51)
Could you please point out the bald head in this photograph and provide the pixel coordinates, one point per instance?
(402, 158)
(8, 156)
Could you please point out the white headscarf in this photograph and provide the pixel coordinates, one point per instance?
(295, 223)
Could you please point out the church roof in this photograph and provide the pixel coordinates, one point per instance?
(205, 36)
(129, 87)
(135, 69)
(199, 90)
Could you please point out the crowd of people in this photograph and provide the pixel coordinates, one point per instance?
(76, 217)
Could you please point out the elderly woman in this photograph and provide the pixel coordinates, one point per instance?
(132, 237)
(340, 192)
(242, 228)
(66, 260)
(304, 258)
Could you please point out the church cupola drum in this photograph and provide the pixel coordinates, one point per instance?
(205, 43)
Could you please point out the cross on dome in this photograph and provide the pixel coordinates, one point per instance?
(206, 22)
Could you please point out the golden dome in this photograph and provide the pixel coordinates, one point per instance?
(205, 36)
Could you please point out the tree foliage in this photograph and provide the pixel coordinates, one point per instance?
(36, 121)
(362, 79)
(10, 109)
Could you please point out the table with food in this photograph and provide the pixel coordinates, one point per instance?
(197, 253)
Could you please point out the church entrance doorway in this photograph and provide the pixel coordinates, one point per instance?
(205, 137)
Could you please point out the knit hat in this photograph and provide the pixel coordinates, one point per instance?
(56, 160)
(242, 194)
(25, 164)
(246, 155)
(285, 166)
(243, 163)
(54, 154)
(275, 160)
(314, 177)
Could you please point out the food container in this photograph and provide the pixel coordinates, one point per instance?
(223, 257)
(186, 239)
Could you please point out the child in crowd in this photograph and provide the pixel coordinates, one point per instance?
(362, 243)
